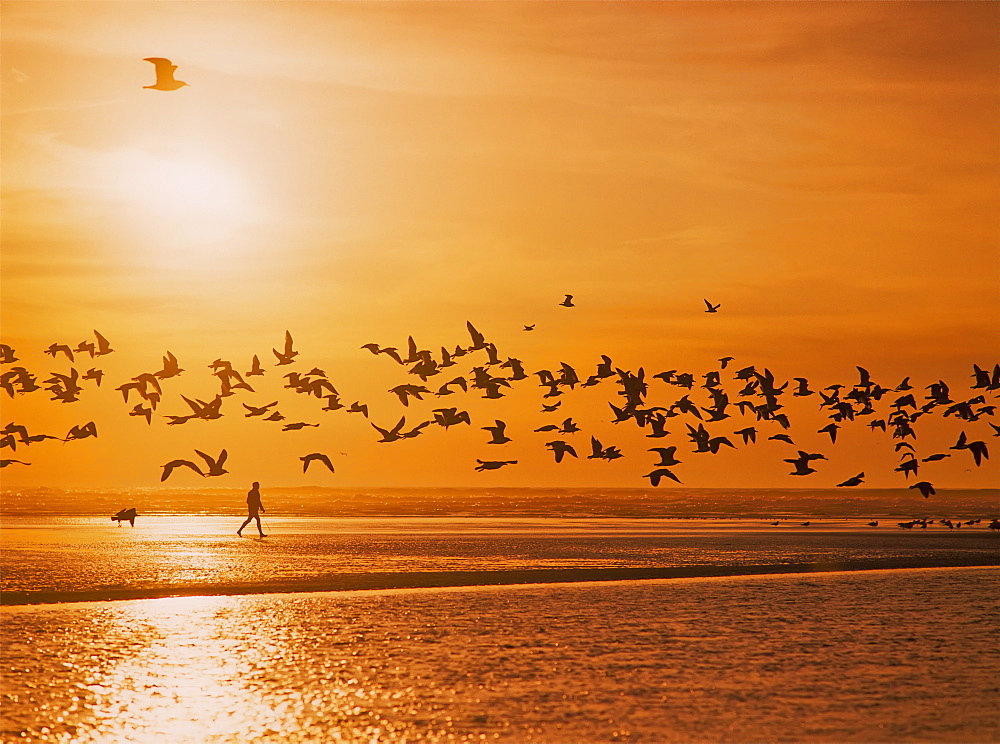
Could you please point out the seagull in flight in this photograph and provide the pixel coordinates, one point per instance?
(164, 74)
(169, 468)
(712, 308)
(288, 354)
(568, 302)
(657, 475)
(857, 480)
(316, 456)
(493, 464)
(214, 464)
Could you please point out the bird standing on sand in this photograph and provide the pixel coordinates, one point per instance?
(164, 74)
(125, 515)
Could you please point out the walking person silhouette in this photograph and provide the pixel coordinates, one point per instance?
(254, 507)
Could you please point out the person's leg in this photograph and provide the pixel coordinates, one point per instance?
(240, 530)
(259, 528)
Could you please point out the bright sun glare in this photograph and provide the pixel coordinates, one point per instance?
(187, 201)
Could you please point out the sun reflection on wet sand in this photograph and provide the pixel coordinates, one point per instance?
(183, 685)
(217, 669)
(880, 655)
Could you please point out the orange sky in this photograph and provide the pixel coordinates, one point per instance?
(358, 172)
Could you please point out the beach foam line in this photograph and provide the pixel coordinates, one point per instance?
(439, 579)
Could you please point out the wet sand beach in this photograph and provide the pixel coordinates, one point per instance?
(185, 556)
(518, 629)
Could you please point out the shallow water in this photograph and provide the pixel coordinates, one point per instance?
(59, 559)
(905, 655)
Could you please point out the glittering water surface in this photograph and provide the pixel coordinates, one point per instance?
(87, 556)
(904, 655)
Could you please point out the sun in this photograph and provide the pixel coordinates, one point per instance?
(188, 189)
(187, 201)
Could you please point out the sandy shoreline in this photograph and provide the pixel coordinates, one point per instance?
(432, 579)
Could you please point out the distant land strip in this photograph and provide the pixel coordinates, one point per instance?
(440, 579)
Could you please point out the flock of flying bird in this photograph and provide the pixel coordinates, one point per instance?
(491, 374)
(759, 399)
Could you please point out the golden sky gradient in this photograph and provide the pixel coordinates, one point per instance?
(361, 172)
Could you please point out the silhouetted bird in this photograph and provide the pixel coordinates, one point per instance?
(493, 464)
(173, 464)
(450, 416)
(873, 523)
(657, 475)
(314, 457)
(391, 435)
(358, 407)
(600, 452)
(907, 466)
(568, 302)
(82, 432)
(712, 308)
(925, 488)
(979, 451)
(801, 463)
(258, 410)
(935, 457)
(296, 426)
(560, 448)
(288, 354)
(255, 368)
(666, 456)
(530, 327)
(803, 388)
(164, 74)
(498, 432)
(857, 480)
(214, 464)
(125, 515)
(56, 348)
(391, 351)
(830, 429)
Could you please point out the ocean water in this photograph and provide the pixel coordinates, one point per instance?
(650, 503)
(900, 655)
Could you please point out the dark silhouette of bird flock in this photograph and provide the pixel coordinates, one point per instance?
(894, 410)
(704, 403)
